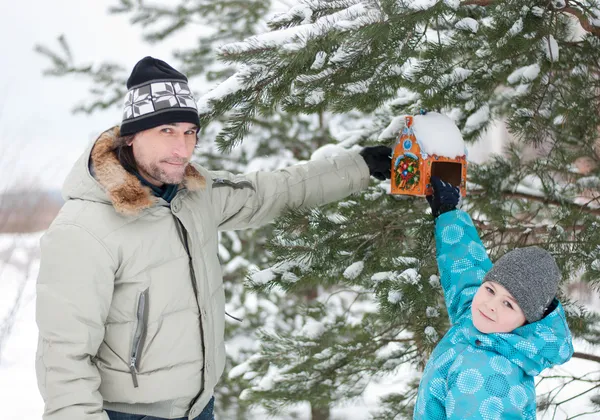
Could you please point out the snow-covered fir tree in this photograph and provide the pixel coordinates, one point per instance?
(354, 287)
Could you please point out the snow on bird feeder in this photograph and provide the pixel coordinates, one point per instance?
(429, 144)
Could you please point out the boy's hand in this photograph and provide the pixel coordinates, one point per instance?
(445, 197)
(379, 161)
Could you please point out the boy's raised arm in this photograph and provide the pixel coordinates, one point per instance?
(462, 258)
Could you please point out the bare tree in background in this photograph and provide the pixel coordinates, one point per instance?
(24, 209)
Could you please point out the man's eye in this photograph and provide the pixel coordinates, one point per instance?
(166, 130)
(190, 132)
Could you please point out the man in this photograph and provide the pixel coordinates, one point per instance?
(130, 301)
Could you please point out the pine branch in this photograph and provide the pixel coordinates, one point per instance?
(544, 200)
(583, 20)
(587, 356)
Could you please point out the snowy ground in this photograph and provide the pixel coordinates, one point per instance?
(20, 399)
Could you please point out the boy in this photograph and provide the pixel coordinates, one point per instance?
(507, 325)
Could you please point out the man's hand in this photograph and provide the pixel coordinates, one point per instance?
(445, 197)
(379, 161)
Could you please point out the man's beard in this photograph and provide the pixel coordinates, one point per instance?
(160, 175)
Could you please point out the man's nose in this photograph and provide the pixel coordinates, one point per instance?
(179, 147)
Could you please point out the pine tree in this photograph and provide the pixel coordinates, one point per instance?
(521, 61)
(362, 300)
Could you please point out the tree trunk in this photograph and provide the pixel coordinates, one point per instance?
(319, 413)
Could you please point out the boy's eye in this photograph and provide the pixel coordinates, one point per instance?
(490, 290)
(507, 304)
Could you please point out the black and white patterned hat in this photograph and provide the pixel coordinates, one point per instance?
(158, 94)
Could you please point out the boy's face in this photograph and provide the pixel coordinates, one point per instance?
(494, 310)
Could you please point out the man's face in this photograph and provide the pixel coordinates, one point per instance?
(494, 310)
(162, 153)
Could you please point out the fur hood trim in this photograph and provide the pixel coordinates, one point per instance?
(125, 191)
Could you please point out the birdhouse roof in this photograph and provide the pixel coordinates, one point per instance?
(438, 135)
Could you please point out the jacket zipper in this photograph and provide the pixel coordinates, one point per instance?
(183, 236)
(221, 182)
(184, 240)
(139, 335)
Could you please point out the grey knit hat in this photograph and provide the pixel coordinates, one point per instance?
(531, 276)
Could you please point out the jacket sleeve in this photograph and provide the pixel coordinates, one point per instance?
(257, 198)
(74, 293)
(462, 261)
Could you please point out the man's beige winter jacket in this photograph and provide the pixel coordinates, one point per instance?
(130, 301)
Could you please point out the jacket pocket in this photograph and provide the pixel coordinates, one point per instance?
(139, 335)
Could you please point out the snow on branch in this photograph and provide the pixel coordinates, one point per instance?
(590, 24)
(354, 16)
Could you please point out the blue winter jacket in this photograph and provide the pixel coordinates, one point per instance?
(472, 375)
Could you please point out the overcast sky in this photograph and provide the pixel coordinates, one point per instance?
(40, 137)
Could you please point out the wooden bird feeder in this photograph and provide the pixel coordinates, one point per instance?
(429, 144)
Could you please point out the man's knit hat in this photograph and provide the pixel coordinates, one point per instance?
(531, 276)
(158, 94)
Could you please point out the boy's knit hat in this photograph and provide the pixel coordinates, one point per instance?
(531, 276)
(157, 94)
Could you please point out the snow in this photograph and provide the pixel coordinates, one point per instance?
(550, 47)
(410, 276)
(420, 4)
(301, 10)
(431, 312)
(337, 218)
(516, 28)
(236, 244)
(453, 4)
(263, 277)
(434, 281)
(438, 135)
(537, 11)
(316, 97)
(297, 35)
(289, 277)
(224, 253)
(239, 370)
(231, 85)
(404, 261)
(328, 150)
(431, 334)
(236, 263)
(394, 296)
(526, 74)
(319, 62)
(403, 97)
(467, 24)
(382, 276)
(394, 127)
(312, 328)
(354, 270)
(478, 119)
(458, 75)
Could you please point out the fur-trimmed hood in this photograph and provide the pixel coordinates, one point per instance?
(99, 176)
